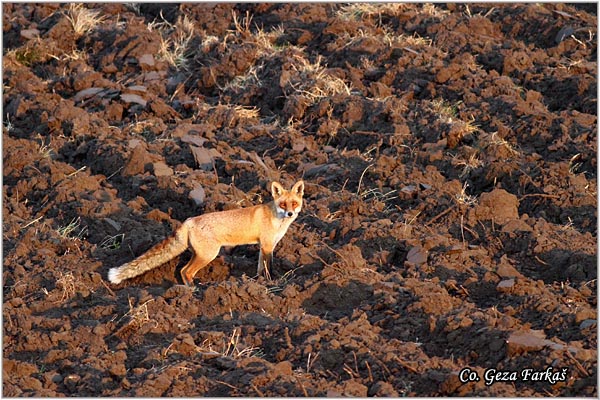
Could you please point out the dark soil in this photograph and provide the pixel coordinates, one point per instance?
(450, 219)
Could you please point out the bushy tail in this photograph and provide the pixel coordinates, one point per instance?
(164, 251)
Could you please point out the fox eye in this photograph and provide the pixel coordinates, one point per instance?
(282, 205)
(294, 204)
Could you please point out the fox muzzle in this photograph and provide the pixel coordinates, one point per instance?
(281, 213)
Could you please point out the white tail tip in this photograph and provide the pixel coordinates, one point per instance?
(113, 275)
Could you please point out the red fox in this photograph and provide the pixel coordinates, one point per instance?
(264, 224)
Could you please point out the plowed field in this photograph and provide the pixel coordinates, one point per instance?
(447, 244)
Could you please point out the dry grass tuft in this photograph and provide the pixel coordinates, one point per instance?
(467, 165)
(263, 39)
(229, 347)
(67, 283)
(8, 124)
(83, 20)
(446, 111)
(360, 11)
(494, 140)
(312, 80)
(266, 39)
(434, 10)
(174, 41)
(139, 315)
(234, 350)
(467, 127)
(448, 114)
(412, 41)
(45, 150)
(243, 112)
(242, 26)
(463, 198)
(385, 33)
(283, 281)
(242, 82)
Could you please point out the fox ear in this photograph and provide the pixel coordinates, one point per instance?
(298, 188)
(276, 190)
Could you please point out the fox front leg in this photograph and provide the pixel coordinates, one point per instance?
(265, 261)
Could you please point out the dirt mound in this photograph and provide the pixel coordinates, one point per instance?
(447, 245)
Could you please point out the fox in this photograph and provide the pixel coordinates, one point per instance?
(204, 235)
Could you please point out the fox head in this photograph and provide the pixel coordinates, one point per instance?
(287, 203)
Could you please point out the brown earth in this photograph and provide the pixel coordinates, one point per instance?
(449, 155)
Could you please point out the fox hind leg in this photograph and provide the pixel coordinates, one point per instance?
(200, 259)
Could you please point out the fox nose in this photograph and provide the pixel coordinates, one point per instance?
(290, 213)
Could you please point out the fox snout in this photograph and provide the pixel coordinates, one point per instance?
(286, 214)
